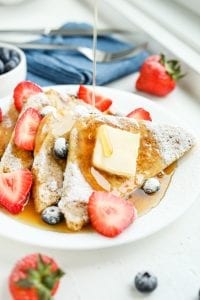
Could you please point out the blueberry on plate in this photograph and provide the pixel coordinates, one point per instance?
(60, 148)
(52, 215)
(145, 282)
(151, 185)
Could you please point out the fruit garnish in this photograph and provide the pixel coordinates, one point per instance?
(101, 102)
(145, 282)
(109, 214)
(1, 115)
(24, 90)
(14, 189)
(52, 215)
(26, 129)
(140, 114)
(60, 148)
(35, 277)
(158, 76)
(151, 185)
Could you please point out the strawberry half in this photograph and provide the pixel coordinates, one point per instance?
(35, 277)
(1, 115)
(158, 76)
(14, 189)
(140, 114)
(101, 102)
(24, 90)
(110, 215)
(26, 129)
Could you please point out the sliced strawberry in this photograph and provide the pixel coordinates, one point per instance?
(1, 115)
(101, 102)
(110, 215)
(140, 114)
(26, 129)
(14, 189)
(24, 90)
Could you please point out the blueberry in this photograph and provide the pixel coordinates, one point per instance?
(145, 282)
(16, 59)
(52, 215)
(61, 148)
(10, 65)
(4, 54)
(151, 185)
(1, 67)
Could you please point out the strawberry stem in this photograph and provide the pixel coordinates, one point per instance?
(172, 67)
(41, 278)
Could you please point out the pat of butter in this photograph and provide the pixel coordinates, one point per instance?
(122, 147)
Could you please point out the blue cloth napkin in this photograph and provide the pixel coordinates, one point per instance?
(70, 67)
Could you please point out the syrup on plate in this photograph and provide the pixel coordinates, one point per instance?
(141, 201)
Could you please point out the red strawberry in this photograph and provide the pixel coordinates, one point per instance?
(35, 277)
(158, 76)
(24, 90)
(140, 114)
(26, 129)
(101, 102)
(1, 115)
(110, 215)
(14, 189)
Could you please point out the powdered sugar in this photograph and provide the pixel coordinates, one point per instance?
(120, 122)
(37, 101)
(173, 141)
(83, 110)
(52, 185)
(75, 187)
(48, 110)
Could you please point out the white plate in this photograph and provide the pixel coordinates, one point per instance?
(182, 191)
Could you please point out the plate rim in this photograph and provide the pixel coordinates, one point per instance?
(103, 241)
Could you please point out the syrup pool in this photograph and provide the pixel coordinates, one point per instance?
(143, 203)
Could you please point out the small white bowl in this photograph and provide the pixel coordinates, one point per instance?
(9, 80)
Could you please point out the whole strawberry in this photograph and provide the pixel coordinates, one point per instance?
(35, 277)
(158, 76)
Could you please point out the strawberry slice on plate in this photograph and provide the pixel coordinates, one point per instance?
(1, 115)
(24, 90)
(140, 114)
(101, 102)
(109, 214)
(14, 189)
(26, 129)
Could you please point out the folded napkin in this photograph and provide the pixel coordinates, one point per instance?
(70, 67)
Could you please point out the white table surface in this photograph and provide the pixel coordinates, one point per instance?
(172, 254)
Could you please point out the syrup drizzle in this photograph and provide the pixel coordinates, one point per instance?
(94, 50)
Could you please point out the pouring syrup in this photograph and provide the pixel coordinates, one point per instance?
(94, 50)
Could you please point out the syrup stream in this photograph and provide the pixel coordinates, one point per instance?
(94, 50)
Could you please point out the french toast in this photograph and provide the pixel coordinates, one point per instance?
(47, 169)
(14, 158)
(7, 126)
(159, 146)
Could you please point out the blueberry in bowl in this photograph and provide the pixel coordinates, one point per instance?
(12, 68)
